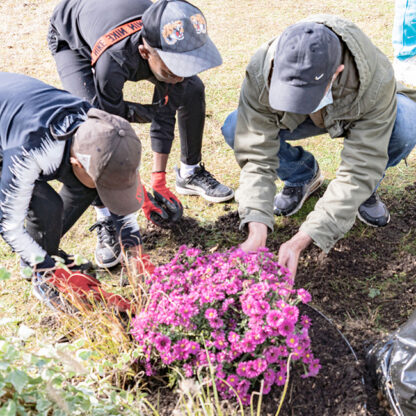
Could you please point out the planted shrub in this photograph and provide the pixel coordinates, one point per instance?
(232, 310)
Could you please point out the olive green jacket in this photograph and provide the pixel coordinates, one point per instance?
(363, 112)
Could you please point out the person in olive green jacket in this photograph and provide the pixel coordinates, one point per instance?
(322, 75)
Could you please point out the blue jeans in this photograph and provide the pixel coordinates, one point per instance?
(297, 166)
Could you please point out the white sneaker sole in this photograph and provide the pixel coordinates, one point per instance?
(197, 191)
(314, 187)
(108, 265)
(369, 223)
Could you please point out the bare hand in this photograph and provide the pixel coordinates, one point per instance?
(257, 236)
(289, 252)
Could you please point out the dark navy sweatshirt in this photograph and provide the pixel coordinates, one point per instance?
(29, 109)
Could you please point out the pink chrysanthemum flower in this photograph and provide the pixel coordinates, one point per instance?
(216, 323)
(242, 369)
(211, 313)
(286, 328)
(251, 371)
(304, 295)
(272, 355)
(233, 337)
(291, 313)
(280, 379)
(292, 341)
(162, 342)
(235, 311)
(233, 380)
(274, 318)
(305, 321)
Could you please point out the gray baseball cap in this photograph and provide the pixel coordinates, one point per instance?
(307, 56)
(178, 31)
(110, 152)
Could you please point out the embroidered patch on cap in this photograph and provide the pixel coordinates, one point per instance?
(173, 31)
(199, 23)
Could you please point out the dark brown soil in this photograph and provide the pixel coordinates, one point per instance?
(338, 389)
(366, 284)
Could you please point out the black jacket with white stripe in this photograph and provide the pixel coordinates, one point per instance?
(29, 152)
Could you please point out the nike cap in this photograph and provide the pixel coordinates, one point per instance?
(307, 56)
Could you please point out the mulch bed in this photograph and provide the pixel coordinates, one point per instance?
(341, 282)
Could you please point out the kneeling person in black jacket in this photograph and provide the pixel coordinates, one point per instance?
(47, 134)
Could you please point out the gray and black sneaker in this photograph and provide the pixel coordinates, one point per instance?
(50, 296)
(291, 198)
(108, 251)
(202, 183)
(373, 212)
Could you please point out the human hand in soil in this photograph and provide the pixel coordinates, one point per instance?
(289, 252)
(257, 236)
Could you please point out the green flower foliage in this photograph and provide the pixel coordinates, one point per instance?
(59, 381)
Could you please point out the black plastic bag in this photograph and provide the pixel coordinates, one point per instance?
(393, 364)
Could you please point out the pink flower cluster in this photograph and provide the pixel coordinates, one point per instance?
(233, 310)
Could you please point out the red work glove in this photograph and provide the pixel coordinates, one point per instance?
(153, 211)
(164, 196)
(163, 207)
(78, 286)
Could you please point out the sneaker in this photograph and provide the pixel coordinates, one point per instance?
(373, 212)
(50, 296)
(202, 183)
(291, 198)
(68, 260)
(108, 251)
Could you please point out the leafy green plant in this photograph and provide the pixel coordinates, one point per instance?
(61, 380)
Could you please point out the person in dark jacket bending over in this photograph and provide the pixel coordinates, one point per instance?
(47, 134)
(98, 46)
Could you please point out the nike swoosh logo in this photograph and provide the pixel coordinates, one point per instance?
(318, 78)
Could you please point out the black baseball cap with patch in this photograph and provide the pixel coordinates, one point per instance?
(178, 31)
(307, 56)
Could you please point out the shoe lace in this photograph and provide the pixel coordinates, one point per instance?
(106, 231)
(202, 175)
